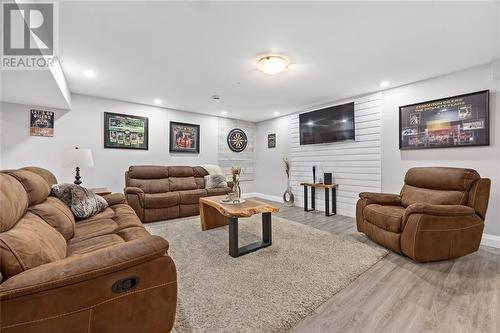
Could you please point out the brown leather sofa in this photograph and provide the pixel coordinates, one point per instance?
(165, 192)
(103, 274)
(438, 215)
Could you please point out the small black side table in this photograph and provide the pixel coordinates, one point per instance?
(327, 188)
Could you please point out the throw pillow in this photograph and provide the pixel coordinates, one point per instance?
(215, 181)
(83, 202)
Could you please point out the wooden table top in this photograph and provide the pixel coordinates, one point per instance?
(319, 185)
(246, 209)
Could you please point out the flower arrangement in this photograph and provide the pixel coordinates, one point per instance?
(288, 167)
(236, 172)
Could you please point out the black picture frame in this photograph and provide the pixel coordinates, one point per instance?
(413, 128)
(271, 140)
(113, 135)
(175, 140)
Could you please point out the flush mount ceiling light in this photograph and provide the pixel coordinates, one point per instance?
(158, 101)
(223, 112)
(384, 84)
(89, 73)
(272, 63)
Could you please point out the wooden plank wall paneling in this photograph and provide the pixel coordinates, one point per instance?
(227, 158)
(356, 166)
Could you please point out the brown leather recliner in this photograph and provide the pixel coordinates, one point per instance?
(103, 274)
(165, 192)
(438, 215)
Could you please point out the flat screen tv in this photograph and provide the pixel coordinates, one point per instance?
(332, 124)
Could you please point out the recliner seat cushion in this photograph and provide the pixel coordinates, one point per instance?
(389, 218)
(30, 243)
(161, 200)
(192, 196)
(150, 185)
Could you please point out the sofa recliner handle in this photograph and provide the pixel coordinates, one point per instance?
(125, 284)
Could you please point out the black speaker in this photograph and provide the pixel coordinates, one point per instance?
(328, 178)
(314, 174)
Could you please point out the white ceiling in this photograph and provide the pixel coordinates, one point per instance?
(184, 52)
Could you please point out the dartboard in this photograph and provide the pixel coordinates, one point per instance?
(237, 140)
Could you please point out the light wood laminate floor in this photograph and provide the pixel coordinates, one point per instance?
(399, 295)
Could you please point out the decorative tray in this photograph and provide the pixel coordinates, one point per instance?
(230, 202)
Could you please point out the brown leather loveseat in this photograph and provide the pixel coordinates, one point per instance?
(165, 192)
(103, 274)
(438, 215)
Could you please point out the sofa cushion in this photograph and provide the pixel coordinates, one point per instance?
(35, 185)
(94, 244)
(83, 202)
(446, 179)
(411, 195)
(192, 196)
(30, 243)
(389, 218)
(215, 181)
(13, 201)
(57, 214)
(161, 200)
(147, 172)
(182, 183)
(151, 185)
(180, 171)
(218, 191)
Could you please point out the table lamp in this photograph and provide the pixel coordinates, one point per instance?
(76, 158)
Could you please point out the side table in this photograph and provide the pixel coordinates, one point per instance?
(327, 188)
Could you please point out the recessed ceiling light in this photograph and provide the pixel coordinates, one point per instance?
(276, 113)
(89, 73)
(158, 101)
(224, 113)
(273, 63)
(384, 84)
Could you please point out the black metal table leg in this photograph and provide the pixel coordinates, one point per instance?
(327, 202)
(306, 199)
(235, 251)
(233, 236)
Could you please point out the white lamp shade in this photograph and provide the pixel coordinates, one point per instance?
(78, 158)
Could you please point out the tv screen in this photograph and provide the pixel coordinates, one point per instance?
(332, 124)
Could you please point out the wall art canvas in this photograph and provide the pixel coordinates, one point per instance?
(125, 131)
(184, 138)
(271, 140)
(41, 123)
(458, 121)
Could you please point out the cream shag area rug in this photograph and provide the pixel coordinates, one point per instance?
(266, 291)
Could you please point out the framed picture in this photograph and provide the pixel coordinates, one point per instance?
(125, 131)
(184, 138)
(457, 121)
(271, 140)
(41, 123)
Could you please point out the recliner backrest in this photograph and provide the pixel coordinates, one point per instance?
(438, 185)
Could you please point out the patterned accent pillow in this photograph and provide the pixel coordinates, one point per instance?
(83, 202)
(215, 181)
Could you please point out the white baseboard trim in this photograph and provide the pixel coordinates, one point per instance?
(487, 240)
(262, 195)
(490, 240)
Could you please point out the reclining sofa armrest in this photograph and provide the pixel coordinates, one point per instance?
(84, 267)
(387, 199)
(440, 232)
(133, 190)
(439, 210)
(135, 198)
(114, 199)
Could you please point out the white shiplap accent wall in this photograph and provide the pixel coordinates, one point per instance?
(356, 166)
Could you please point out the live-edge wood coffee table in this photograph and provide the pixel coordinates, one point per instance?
(215, 214)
